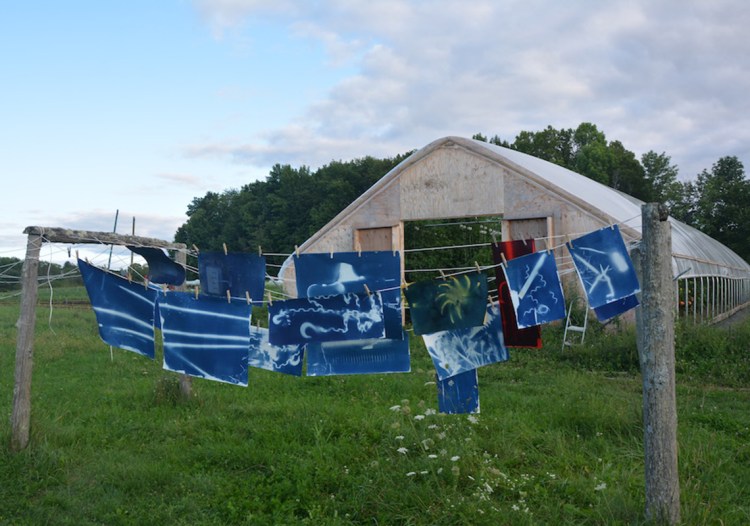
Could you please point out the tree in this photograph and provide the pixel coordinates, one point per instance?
(723, 204)
(661, 177)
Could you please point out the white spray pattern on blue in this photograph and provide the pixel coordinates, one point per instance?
(265, 355)
(457, 351)
(366, 320)
(538, 308)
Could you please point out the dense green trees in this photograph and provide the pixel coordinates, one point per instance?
(294, 203)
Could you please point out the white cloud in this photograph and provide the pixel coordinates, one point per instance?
(669, 76)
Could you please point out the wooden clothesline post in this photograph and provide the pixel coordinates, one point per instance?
(655, 342)
(21, 415)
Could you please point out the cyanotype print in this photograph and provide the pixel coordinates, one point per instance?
(452, 303)
(326, 319)
(615, 308)
(286, 359)
(459, 350)
(234, 272)
(535, 289)
(604, 266)
(359, 357)
(206, 337)
(340, 272)
(459, 394)
(124, 310)
(514, 337)
(161, 268)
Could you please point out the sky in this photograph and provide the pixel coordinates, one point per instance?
(142, 106)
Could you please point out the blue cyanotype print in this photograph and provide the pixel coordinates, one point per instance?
(124, 310)
(240, 274)
(455, 302)
(604, 266)
(340, 272)
(459, 350)
(326, 319)
(615, 308)
(535, 289)
(358, 357)
(286, 359)
(459, 394)
(206, 337)
(161, 268)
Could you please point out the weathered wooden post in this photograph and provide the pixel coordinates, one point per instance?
(656, 341)
(21, 416)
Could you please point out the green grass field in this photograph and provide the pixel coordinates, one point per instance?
(559, 439)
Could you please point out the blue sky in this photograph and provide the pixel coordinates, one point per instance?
(141, 106)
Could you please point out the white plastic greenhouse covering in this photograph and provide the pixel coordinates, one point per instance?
(693, 252)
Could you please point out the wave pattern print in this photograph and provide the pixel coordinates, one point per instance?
(326, 319)
(457, 351)
(124, 310)
(373, 356)
(206, 337)
(286, 359)
(341, 272)
(459, 394)
(604, 267)
(535, 289)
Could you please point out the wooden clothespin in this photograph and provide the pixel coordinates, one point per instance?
(260, 252)
(229, 296)
(367, 290)
(331, 253)
(404, 284)
(226, 252)
(197, 291)
(525, 243)
(479, 269)
(494, 238)
(130, 277)
(296, 250)
(145, 283)
(270, 299)
(164, 288)
(247, 297)
(502, 257)
(442, 274)
(197, 250)
(77, 256)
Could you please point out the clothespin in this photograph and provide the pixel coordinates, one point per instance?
(479, 269)
(549, 245)
(502, 257)
(164, 288)
(229, 296)
(331, 253)
(404, 284)
(525, 243)
(494, 238)
(197, 291)
(570, 240)
(296, 250)
(247, 297)
(270, 299)
(442, 274)
(197, 250)
(145, 283)
(130, 277)
(260, 252)
(367, 290)
(77, 257)
(226, 252)
(257, 325)
(359, 250)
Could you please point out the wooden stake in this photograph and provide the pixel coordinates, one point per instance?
(21, 417)
(656, 338)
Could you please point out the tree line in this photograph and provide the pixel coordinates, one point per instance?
(291, 204)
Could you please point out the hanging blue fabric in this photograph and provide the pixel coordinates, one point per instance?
(161, 268)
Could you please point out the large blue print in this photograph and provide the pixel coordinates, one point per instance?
(340, 272)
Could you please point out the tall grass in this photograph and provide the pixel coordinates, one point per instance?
(559, 439)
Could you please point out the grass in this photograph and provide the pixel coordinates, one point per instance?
(559, 439)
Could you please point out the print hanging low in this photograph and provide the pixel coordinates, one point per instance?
(286, 359)
(124, 310)
(359, 357)
(459, 394)
(459, 350)
(535, 289)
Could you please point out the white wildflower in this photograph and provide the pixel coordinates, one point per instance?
(411, 473)
(472, 419)
(430, 411)
(400, 437)
(418, 417)
(515, 507)
(395, 408)
(402, 450)
(601, 487)
(432, 456)
(455, 458)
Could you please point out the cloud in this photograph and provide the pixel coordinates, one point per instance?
(182, 179)
(669, 76)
